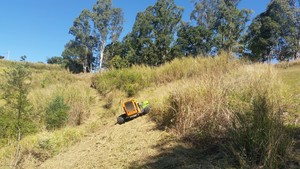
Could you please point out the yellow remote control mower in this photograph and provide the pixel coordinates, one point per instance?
(132, 108)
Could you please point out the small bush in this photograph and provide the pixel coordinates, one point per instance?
(16, 118)
(118, 62)
(56, 113)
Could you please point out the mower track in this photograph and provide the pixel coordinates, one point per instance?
(114, 146)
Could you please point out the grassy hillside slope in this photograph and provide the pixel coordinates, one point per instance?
(194, 101)
(290, 75)
(48, 82)
(207, 100)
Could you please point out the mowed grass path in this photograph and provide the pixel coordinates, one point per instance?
(291, 78)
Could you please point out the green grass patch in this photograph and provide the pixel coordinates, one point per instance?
(291, 78)
(134, 79)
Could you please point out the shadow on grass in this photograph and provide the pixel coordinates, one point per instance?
(126, 120)
(181, 154)
(209, 154)
(294, 161)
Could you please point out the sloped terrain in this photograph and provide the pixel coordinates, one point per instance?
(143, 143)
(135, 144)
(291, 77)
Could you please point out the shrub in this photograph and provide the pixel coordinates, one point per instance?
(118, 62)
(15, 115)
(56, 113)
(128, 80)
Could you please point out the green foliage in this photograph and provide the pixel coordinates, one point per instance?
(16, 114)
(72, 55)
(274, 34)
(7, 127)
(230, 24)
(47, 82)
(55, 60)
(84, 39)
(194, 41)
(261, 37)
(108, 22)
(118, 62)
(258, 138)
(224, 19)
(131, 80)
(152, 35)
(127, 80)
(56, 113)
(113, 49)
(205, 13)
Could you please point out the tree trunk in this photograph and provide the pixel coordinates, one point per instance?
(91, 67)
(101, 54)
(17, 154)
(83, 67)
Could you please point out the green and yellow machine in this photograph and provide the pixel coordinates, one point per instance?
(132, 108)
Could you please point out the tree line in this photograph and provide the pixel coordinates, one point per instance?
(159, 34)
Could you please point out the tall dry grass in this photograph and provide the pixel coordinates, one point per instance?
(210, 106)
(75, 92)
(34, 67)
(199, 99)
(287, 64)
(49, 82)
(129, 80)
(37, 148)
(258, 138)
(132, 80)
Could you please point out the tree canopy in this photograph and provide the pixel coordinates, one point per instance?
(159, 34)
(274, 34)
(150, 41)
(91, 31)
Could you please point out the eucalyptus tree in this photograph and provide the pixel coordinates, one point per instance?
(72, 56)
(107, 21)
(230, 24)
(84, 38)
(224, 19)
(274, 34)
(150, 41)
(194, 40)
(205, 13)
(91, 31)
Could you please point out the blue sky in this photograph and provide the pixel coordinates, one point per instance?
(39, 28)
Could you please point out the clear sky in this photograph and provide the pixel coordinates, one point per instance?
(39, 28)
